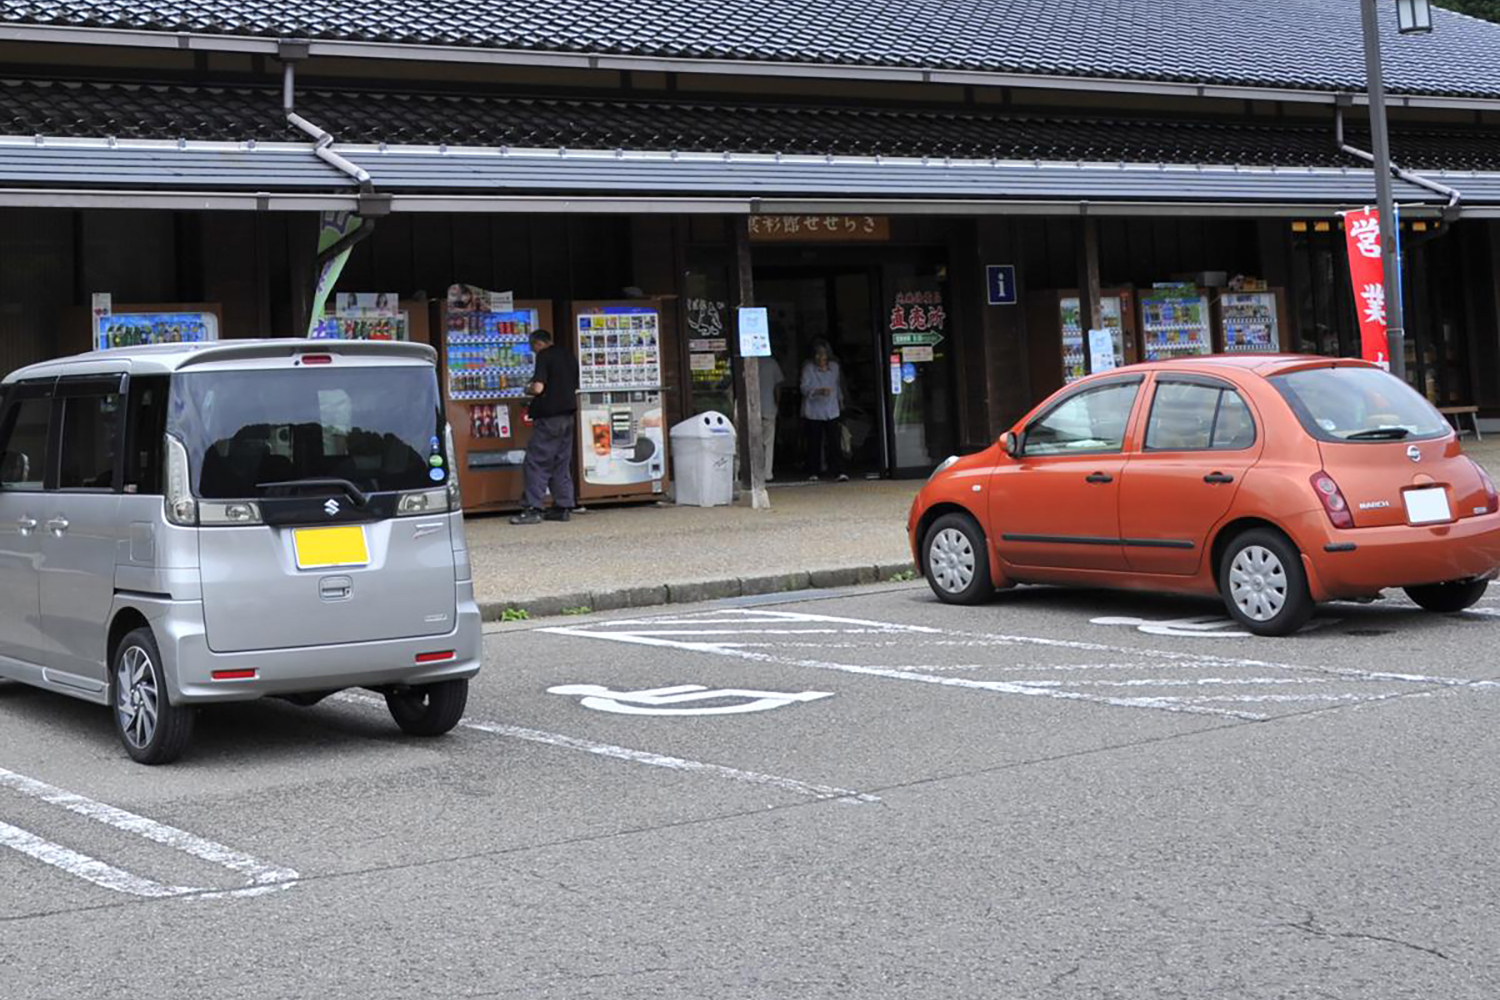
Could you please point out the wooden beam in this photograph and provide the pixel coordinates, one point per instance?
(749, 387)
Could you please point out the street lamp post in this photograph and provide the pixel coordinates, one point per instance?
(1412, 17)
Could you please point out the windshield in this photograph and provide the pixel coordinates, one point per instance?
(378, 428)
(1359, 404)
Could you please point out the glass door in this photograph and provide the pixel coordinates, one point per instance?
(917, 364)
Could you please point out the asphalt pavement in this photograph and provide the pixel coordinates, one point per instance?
(860, 793)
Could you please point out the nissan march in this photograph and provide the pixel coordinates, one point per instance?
(186, 524)
(1274, 482)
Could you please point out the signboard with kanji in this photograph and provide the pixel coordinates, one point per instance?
(820, 228)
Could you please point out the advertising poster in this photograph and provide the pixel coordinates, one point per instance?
(622, 438)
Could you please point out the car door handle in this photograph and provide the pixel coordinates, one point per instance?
(1100, 477)
(27, 525)
(1218, 477)
(58, 525)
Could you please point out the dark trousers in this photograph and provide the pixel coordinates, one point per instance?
(825, 450)
(549, 462)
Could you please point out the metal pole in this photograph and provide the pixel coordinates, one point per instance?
(1380, 143)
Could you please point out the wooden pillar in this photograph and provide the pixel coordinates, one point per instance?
(1090, 308)
(749, 387)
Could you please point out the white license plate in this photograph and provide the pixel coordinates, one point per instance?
(1427, 506)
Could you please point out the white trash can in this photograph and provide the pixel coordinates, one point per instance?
(703, 450)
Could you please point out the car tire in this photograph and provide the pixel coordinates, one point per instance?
(154, 730)
(1446, 598)
(956, 562)
(1263, 583)
(429, 709)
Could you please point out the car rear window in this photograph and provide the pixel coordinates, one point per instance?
(377, 427)
(1358, 404)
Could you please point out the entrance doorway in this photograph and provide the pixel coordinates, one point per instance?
(897, 417)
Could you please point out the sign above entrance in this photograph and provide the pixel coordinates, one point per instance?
(820, 228)
(1001, 279)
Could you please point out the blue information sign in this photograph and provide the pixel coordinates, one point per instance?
(1001, 279)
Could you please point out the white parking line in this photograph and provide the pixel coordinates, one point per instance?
(261, 877)
(646, 757)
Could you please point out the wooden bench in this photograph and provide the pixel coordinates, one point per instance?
(1453, 412)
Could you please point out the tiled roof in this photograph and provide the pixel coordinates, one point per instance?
(1281, 43)
(235, 114)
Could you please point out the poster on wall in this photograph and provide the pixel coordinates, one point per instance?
(622, 437)
(1367, 274)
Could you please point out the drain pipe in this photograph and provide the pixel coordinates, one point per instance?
(1451, 211)
(371, 204)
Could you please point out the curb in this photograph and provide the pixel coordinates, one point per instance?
(700, 590)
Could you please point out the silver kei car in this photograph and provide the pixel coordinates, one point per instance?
(184, 524)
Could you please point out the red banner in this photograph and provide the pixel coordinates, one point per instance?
(1367, 273)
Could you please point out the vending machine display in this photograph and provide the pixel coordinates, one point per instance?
(487, 364)
(1075, 361)
(1058, 342)
(365, 316)
(622, 439)
(1250, 321)
(1175, 323)
(132, 329)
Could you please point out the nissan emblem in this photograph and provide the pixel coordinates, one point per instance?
(1414, 453)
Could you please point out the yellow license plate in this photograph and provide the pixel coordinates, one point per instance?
(318, 548)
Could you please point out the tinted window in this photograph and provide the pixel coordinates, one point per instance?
(1091, 421)
(23, 454)
(378, 427)
(147, 422)
(90, 434)
(1359, 404)
(1193, 417)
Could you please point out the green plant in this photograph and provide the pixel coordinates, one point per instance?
(515, 615)
(903, 576)
(582, 609)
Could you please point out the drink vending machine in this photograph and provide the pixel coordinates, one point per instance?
(134, 325)
(1058, 345)
(487, 363)
(1176, 322)
(374, 316)
(622, 439)
(1253, 321)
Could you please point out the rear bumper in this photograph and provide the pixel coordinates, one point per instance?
(189, 664)
(1397, 556)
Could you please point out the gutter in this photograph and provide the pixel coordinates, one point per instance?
(187, 41)
(1451, 211)
(371, 203)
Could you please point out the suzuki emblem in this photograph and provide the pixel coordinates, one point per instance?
(1414, 453)
(331, 507)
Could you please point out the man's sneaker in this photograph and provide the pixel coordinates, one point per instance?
(528, 516)
(555, 514)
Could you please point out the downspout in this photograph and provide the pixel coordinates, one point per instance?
(1451, 211)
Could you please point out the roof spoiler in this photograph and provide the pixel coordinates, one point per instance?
(260, 349)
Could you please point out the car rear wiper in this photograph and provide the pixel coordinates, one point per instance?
(353, 492)
(1380, 434)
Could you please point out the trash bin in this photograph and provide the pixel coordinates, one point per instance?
(703, 450)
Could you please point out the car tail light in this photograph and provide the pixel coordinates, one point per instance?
(317, 359)
(1333, 500)
(446, 654)
(1492, 499)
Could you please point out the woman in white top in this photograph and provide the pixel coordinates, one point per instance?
(822, 403)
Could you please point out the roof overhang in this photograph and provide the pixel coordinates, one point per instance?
(336, 49)
(103, 173)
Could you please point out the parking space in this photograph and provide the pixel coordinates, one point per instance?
(657, 783)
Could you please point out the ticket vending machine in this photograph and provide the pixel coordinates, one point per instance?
(487, 363)
(622, 437)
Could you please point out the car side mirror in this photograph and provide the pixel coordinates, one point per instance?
(1010, 443)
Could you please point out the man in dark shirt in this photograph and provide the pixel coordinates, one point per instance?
(549, 454)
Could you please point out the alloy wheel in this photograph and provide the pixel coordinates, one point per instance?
(951, 558)
(1258, 583)
(137, 697)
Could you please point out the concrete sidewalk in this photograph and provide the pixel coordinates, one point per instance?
(823, 535)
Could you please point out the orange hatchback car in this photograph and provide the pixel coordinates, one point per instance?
(1273, 481)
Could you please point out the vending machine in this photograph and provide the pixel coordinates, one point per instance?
(1176, 322)
(1058, 345)
(1252, 321)
(487, 363)
(374, 316)
(132, 325)
(621, 419)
